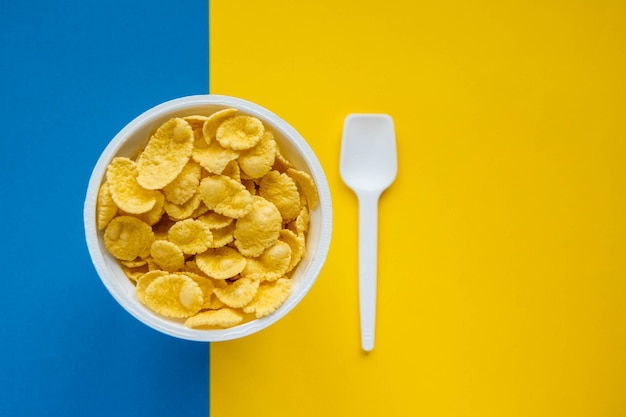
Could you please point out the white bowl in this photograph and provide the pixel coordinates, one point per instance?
(134, 137)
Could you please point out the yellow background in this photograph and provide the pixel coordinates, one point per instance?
(502, 244)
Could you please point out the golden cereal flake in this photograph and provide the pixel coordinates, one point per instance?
(127, 237)
(209, 127)
(215, 220)
(135, 263)
(134, 273)
(239, 293)
(185, 210)
(240, 132)
(196, 121)
(212, 157)
(297, 245)
(128, 195)
(190, 235)
(223, 236)
(174, 295)
(259, 229)
(258, 161)
(184, 185)
(281, 163)
(106, 208)
(215, 302)
(165, 155)
(145, 280)
(167, 255)
(221, 263)
(153, 216)
(233, 171)
(269, 297)
(281, 190)
(205, 284)
(307, 185)
(202, 209)
(300, 225)
(224, 318)
(225, 196)
(271, 264)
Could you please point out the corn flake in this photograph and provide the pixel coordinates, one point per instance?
(258, 161)
(184, 185)
(153, 216)
(190, 235)
(271, 265)
(135, 272)
(209, 127)
(215, 220)
(281, 164)
(126, 192)
(301, 223)
(306, 183)
(239, 293)
(221, 263)
(165, 155)
(224, 317)
(225, 196)
(106, 209)
(213, 157)
(259, 229)
(240, 132)
(145, 280)
(167, 255)
(297, 245)
(223, 236)
(269, 297)
(196, 121)
(233, 171)
(205, 284)
(281, 190)
(126, 238)
(185, 210)
(174, 295)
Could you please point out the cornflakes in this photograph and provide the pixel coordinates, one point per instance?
(174, 295)
(239, 293)
(240, 132)
(224, 317)
(190, 235)
(106, 209)
(167, 255)
(209, 220)
(281, 190)
(127, 238)
(225, 196)
(126, 192)
(269, 297)
(259, 229)
(221, 263)
(271, 265)
(165, 155)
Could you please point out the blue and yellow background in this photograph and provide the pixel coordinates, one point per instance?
(502, 243)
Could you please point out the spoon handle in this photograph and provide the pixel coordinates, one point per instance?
(368, 251)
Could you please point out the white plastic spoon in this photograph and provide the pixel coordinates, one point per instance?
(368, 165)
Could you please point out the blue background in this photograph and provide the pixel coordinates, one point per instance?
(72, 75)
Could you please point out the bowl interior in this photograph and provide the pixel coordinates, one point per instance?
(132, 138)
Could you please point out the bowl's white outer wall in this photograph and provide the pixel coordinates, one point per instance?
(133, 137)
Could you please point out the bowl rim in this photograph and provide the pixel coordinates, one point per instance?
(179, 105)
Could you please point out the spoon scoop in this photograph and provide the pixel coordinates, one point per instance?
(368, 165)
